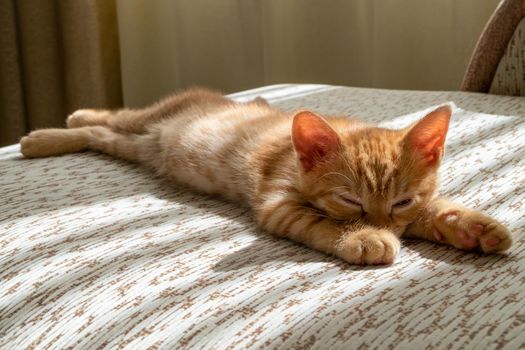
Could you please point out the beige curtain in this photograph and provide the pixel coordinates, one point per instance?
(60, 55)
(239, 44)
(55, 56)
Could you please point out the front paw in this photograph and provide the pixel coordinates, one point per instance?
(369, 247)
(469, 229)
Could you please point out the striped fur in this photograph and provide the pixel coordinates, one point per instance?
(335, 184)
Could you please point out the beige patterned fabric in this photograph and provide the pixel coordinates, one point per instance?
(98, 253)
(510, 75)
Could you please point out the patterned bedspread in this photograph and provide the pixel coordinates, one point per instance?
(98, 253)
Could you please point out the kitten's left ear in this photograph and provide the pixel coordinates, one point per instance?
(427, 137)
(313, 138)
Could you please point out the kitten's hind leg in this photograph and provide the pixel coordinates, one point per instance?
(89, 117)
(137, 120)
(122, 120)
(54, 142)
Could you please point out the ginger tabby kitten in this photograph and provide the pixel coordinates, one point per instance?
(335, 184)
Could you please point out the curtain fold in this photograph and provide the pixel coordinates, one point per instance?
(12, 107)
(55, 57)
(238, 44)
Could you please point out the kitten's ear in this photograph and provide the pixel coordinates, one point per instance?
(427, 137)
(313, 138)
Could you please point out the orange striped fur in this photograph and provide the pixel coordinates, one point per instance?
(336, 184)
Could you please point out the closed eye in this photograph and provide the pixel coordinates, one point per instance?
(351, 201)
(403, 203)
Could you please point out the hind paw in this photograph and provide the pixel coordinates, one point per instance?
(51, 142)
(87, 117)
(36, 143)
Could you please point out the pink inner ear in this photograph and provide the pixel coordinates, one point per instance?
(313, 139)
(428, 136)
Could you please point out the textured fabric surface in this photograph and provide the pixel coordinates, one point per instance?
(98, 253)
(510, 75)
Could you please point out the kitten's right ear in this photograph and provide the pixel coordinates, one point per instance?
(427, 137)
(313, 138)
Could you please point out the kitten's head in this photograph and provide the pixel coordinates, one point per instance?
(380, 176)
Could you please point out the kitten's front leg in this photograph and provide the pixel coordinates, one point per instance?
(353, 242)
(368, 246)
(446, 222)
